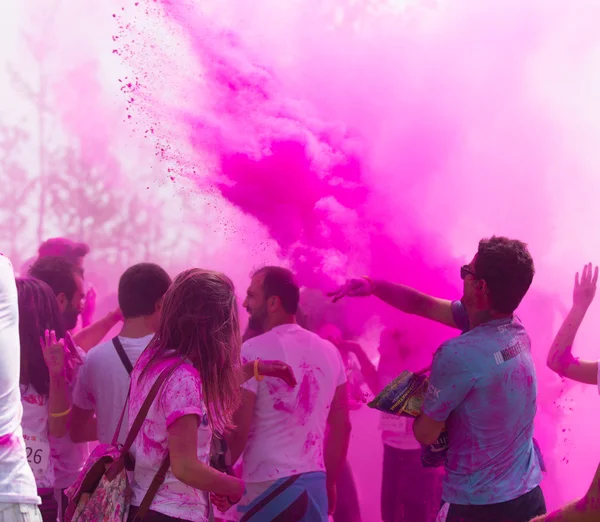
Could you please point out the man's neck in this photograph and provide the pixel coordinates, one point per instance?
(136, 328)
(280, 321)
(485, 316)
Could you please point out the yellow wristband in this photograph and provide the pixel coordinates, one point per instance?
(257, 375)
(369, 280)
(61, 414)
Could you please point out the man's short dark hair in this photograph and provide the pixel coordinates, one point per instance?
(280, 282)
(62, 247)
(57, 272)
(507, 268)
(141, 286)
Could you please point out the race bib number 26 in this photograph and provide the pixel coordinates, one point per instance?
(38, 454)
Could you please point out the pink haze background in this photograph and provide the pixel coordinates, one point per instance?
(345, 138)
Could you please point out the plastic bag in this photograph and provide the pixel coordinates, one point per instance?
(404, 396)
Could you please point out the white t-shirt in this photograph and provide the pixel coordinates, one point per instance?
(288, 428)
(396, 431)
(103, 383)
(17, 484)
(181, 395)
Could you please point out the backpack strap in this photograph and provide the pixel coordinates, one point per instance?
(122, 355)
(129, 367)
(157, 481)
(119, 464)
(115, 439)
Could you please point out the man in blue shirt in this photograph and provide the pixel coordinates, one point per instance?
(483, 386)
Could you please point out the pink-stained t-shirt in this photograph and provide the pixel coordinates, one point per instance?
(180, 395)
(288, 429)
(35, 434)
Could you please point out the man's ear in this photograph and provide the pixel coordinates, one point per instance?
(62, 301)
(273, 303)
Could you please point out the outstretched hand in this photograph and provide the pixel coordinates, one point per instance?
(360, 287)
(585, 288)
(279, 370)
(89, 307)
(54, 353)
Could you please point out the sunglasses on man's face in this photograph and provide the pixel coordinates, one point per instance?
(465, 270)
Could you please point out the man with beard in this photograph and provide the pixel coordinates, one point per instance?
(75, 252)
(483, 386)
(66, 280)
(289, 467)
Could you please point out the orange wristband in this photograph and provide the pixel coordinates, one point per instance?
(257, 375)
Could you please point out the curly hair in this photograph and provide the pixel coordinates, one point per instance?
(57, 272)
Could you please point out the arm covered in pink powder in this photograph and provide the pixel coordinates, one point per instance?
(586, 509)
(92, 335)
(183, 450)
(403, 298)
(560, 359)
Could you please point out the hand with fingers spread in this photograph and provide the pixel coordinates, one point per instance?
(54, 353)
(279, 370)
(585, 287)
(361, 287)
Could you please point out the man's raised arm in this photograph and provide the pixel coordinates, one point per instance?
(403, 298)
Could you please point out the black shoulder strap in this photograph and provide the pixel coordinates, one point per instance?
(122, 355)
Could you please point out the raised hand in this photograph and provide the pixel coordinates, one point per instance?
(585, 288)
(279, 370)
(360, 287)
(54, 353)
(72, 358)
(89, 307)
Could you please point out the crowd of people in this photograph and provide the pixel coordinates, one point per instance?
(180, 379)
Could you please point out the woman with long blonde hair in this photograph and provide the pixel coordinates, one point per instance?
(199, 333)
